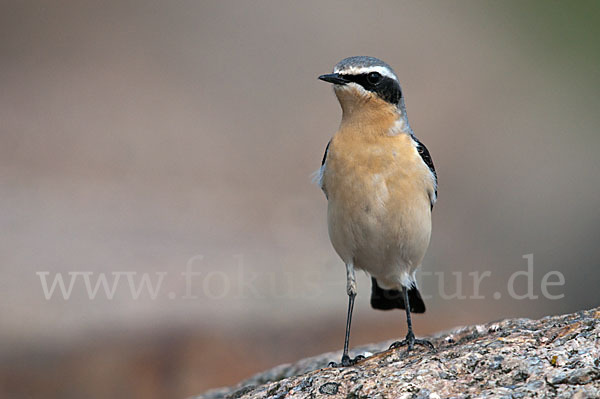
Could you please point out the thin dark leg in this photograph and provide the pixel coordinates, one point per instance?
(410, 341)
(351, 291)
(348, 324)
(410, 333)
(346, 360)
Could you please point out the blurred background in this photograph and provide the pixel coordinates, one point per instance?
(171, 137)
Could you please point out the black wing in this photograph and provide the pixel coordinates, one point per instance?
(322, 170)
(424, 153)
(325, 155)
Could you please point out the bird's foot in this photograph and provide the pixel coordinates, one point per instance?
(410, 341)
(347, 361)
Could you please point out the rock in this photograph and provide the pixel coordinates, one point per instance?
(557, 356)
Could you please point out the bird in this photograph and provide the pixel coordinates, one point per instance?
(381, 186)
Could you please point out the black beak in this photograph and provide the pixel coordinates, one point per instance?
(334, 78)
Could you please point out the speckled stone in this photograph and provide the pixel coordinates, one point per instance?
(556, 356)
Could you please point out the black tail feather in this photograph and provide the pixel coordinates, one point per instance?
(383, 299)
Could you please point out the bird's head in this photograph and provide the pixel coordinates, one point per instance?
(365, 83)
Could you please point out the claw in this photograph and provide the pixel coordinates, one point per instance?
(410, 341)
(398, 344)
(426, 343)
(347, 361)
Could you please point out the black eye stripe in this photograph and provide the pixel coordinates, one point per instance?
(374, 78)
(387, 88)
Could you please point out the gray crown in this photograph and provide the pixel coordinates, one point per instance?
(361, 62)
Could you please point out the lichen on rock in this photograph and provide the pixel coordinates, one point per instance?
(557, 356)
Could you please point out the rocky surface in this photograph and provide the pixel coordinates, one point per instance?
(557, 356)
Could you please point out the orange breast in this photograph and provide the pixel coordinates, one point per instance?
(378, 190)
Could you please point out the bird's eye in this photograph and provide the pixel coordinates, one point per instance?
(374, 78)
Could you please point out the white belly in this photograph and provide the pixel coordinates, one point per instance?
(388, 244)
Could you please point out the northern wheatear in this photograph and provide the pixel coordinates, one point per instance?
(381, 186)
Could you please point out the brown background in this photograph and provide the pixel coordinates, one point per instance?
(135, 135)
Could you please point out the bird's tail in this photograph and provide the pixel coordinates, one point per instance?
(383, 299)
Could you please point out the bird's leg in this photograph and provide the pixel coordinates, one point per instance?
(351, 290)
(410, 341)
